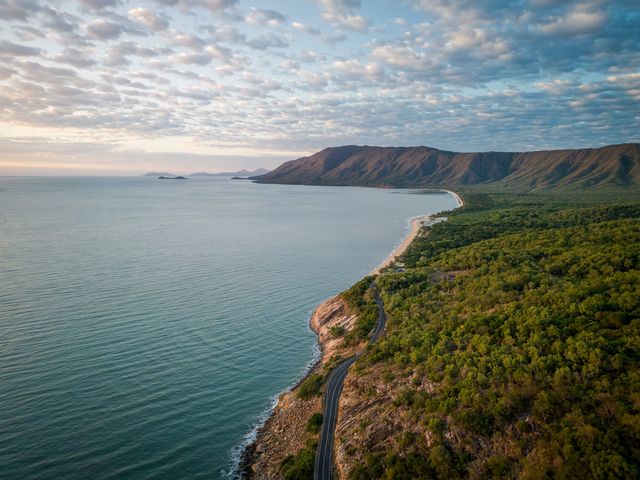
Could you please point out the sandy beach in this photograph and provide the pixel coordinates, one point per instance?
(457, 197)
(416, 224)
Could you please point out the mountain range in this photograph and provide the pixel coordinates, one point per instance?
(393, 167)
(240, 173)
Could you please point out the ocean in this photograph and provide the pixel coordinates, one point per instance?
(146, 325)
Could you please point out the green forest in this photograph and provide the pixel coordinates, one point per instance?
(522, 314)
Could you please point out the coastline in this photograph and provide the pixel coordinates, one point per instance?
(457, 197)
(287, 416)
(416, 224)
(283, 432)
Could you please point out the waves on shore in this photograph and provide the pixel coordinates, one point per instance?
(240, 451)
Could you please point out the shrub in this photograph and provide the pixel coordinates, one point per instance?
(310, 387)
(299, 466)
(314, 423)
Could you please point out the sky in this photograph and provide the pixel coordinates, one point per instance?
(120, 87)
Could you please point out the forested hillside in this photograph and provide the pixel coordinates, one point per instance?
(512, 349)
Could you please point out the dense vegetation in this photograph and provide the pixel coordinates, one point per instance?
(360, 300)
(310, 386)
(300, 465)
(518, 323)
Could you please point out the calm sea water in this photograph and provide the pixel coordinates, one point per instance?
(146, 325)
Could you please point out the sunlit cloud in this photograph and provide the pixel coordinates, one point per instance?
(222, 79)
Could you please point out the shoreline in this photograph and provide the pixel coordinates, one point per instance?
(416, 224)
(248, 449)
(283, 424)
(457, 197)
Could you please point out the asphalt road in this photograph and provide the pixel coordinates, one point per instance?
(324, 456)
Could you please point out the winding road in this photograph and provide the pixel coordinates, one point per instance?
(323, 466)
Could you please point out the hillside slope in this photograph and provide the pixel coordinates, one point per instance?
(511, 350)
(610, 166)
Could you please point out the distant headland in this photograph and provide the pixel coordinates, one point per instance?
(240, 173)
(615, 166)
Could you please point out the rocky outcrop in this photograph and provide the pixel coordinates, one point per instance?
(364, 399)
(284, 433)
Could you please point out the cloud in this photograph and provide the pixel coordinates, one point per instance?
(225, 33)
(354, 70)
(18, 10)
(342, 13)
(26, 33)
(340, 7)
(99, 4)
(103, 29)
(188, 40)
(462, 75)
(573, 23)
(118, 54)
(309, 56)
(150, 19)
(10, 48)
(203, 57)
(212, 5)
(61, 22)
(258, 16)
(44, 156)
(305, 28)
(75, 57)
(333, 38)
(216, 5)
(269, 40)
(111, 25)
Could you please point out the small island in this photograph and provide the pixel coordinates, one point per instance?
(172, 178)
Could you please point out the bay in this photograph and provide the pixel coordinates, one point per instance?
(147, 325)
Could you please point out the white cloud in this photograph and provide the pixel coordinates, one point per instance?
(573, 23)
(188, 40)
(259, 16)
(192, 58)
(217, 5)
(342, 13)
(340, 7)
(246, 75)
(213, 5)
(308, 29)
(149, 19)
(355, 70)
